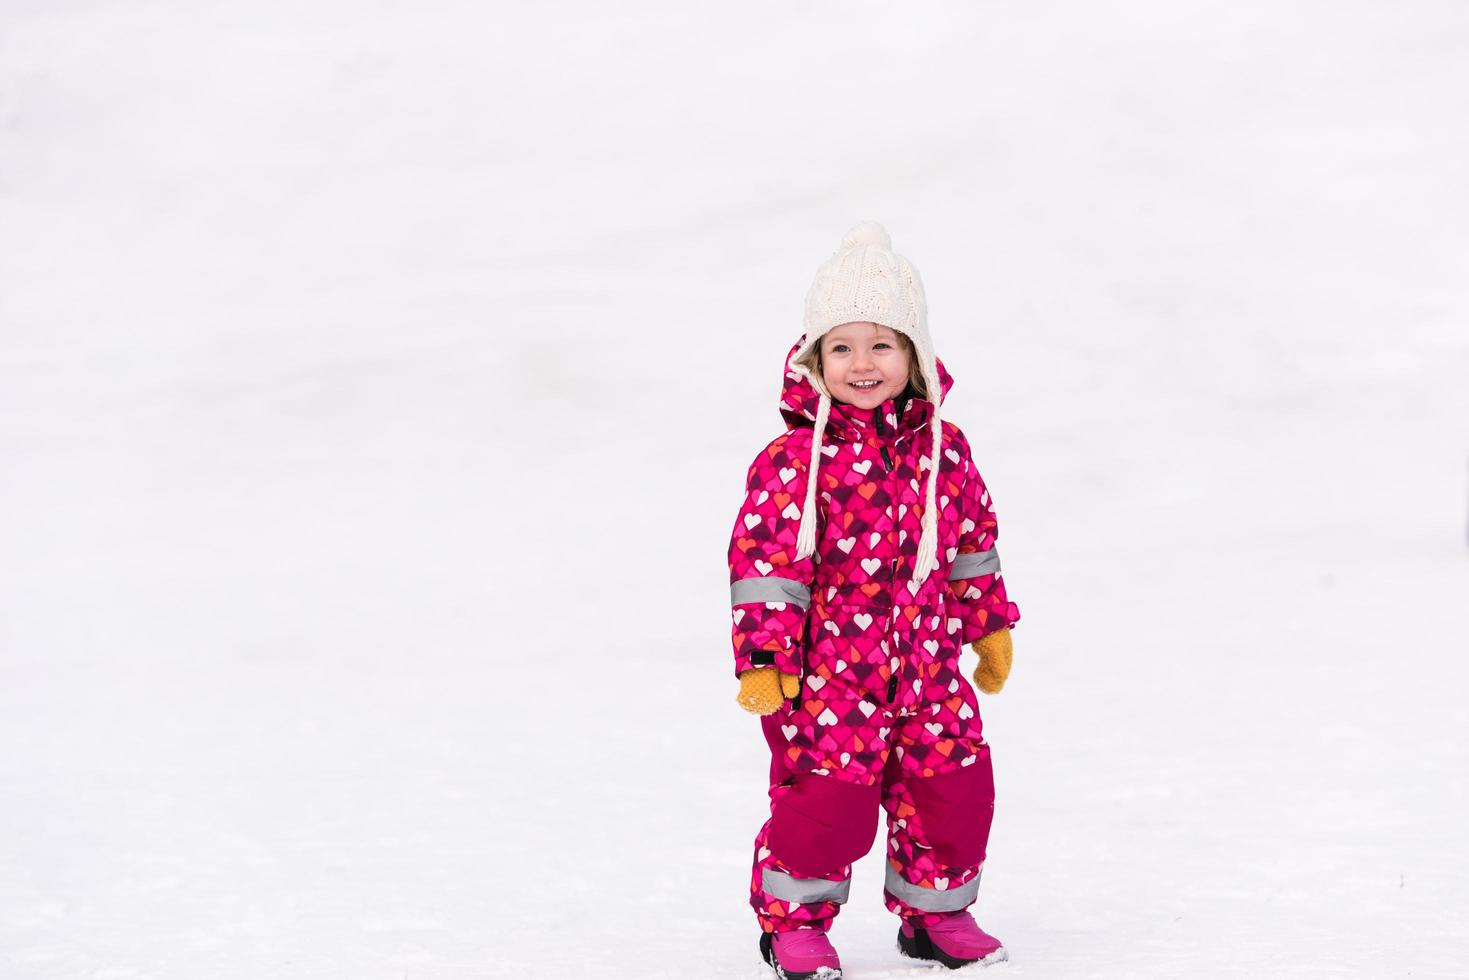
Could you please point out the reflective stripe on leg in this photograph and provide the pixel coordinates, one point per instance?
(931, 899)
(803, 891)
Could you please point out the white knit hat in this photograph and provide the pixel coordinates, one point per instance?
(865, 280)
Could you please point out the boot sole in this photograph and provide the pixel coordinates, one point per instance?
(919, 947)
(767, 953)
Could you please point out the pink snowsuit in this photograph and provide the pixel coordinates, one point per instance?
(884, 717)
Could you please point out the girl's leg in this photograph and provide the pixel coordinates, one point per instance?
(939, 793)
(821, 820)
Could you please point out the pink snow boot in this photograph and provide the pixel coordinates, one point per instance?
(956, 941)
(801, 954)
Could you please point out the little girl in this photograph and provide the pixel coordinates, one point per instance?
(862, 561)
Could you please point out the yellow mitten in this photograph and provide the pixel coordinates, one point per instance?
(764, 689)
(995, 653)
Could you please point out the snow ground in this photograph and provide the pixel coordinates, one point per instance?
(377, 381)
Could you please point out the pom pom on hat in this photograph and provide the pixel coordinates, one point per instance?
(867, 233)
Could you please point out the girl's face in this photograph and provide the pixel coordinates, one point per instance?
(864, 364)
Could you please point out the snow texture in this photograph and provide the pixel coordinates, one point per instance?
(334, 336)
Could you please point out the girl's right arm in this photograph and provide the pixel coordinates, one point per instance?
(770, 590)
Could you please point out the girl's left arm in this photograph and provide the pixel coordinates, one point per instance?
(976, 585)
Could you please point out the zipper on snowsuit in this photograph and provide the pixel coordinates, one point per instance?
(887, 462)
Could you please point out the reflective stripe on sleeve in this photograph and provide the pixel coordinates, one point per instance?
(778, 884)
(931, 899)
(975, 563)
(772, 589)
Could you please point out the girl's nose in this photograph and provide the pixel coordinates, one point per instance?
(862, 361)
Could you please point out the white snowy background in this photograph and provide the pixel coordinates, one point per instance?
(377, 382)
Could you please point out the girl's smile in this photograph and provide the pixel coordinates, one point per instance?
(864, 364)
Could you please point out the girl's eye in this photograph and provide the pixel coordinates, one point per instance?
(839, 349)
(881, 345)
